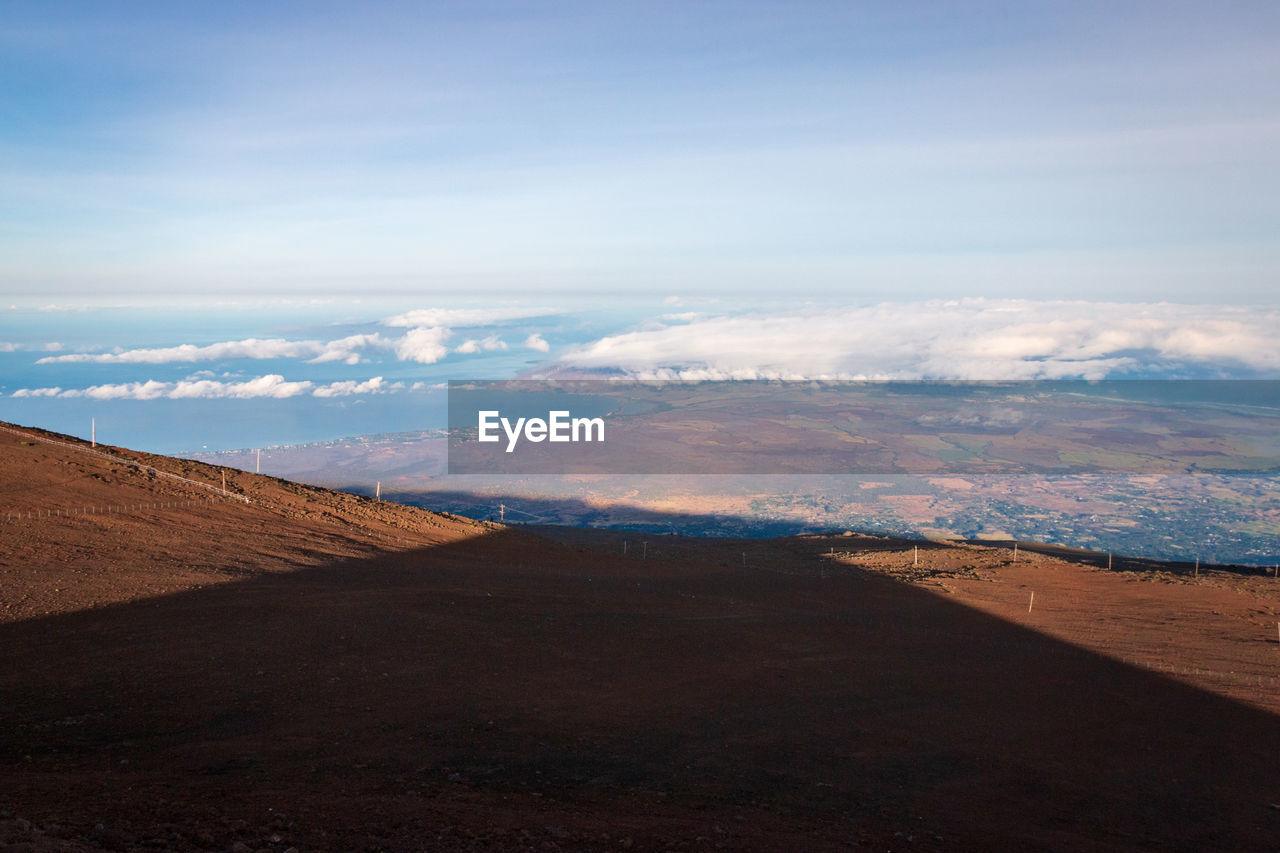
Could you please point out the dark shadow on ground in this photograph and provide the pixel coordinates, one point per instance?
(507, 691)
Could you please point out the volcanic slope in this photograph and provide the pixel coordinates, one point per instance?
(312, 670)
(85, 527)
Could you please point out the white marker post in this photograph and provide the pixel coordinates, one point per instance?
(1032, 602)
(257, 469)
(377, 491)
(1015, 552)
(93, 432)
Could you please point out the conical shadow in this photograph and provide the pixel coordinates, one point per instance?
(506, 691)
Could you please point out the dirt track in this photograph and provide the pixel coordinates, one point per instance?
(320, 672)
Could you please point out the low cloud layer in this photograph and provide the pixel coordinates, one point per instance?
(490, 344)
(430, 328)
(272, 386)
(344, 349)
(970, 339)
(425, 345)
(462, 317)
(424, 342)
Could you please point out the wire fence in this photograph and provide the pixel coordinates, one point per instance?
(76, 512)
(216, 494)
(221, 493)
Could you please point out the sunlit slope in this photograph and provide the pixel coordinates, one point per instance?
(83, 527)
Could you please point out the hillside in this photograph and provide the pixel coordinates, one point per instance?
(85, 514)
(311, 670)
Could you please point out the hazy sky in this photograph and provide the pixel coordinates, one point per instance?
(918, 150)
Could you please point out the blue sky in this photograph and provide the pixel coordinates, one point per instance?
(246, 223)
(182, 152)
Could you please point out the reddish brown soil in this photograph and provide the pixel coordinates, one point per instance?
(321, 672)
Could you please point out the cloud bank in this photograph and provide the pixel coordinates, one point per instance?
(345, 349)
(490, 344)
(462, 317)
(425, 342)
(424, 345)
(273, 386)
(969, 339)
(429, 328)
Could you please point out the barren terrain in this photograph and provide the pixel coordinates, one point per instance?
(183, 670)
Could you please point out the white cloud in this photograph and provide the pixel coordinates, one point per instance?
(376, 385)
(248, 348)
(5, 346)
(53, 346)
(149, 390)
(344, 349)
(462, 317)
(347, 349)
(429, 328)
(535, 342)
(424, 342)
(423, 345)
(489, 344)
(969, 339)
(272, 386)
